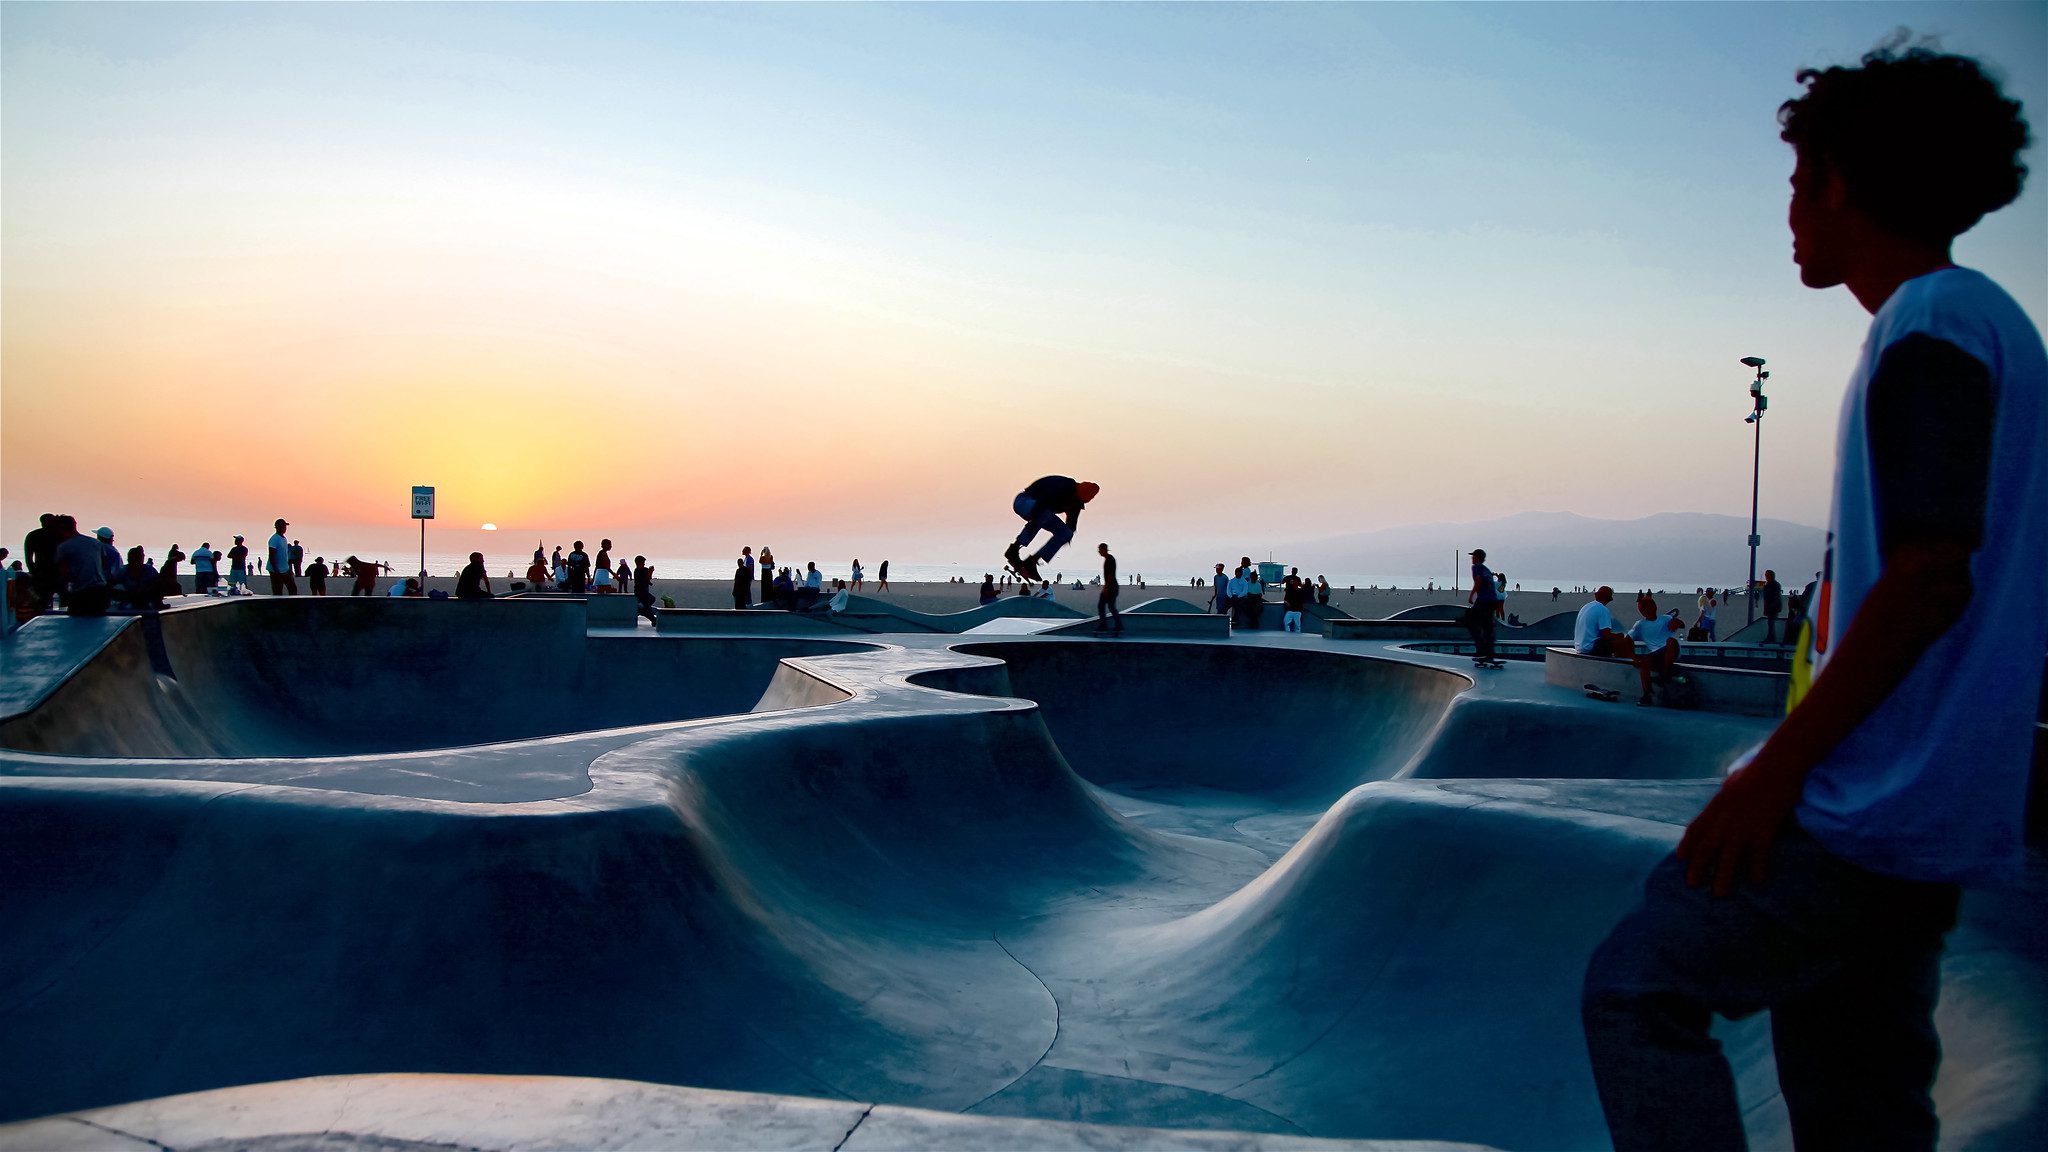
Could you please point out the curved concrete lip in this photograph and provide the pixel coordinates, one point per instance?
(972, 884)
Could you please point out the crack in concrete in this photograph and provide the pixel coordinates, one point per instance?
(112, 1131)
(1056, 1023)
(865, 1113)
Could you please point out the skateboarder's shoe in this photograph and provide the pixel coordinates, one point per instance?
(1027, 567)
(1012, 558)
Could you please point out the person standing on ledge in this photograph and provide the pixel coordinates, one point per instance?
(1052, 504)
(1484, 601)
(1822, 878)
(280, 559)
(1774, 603)
(1105, 603)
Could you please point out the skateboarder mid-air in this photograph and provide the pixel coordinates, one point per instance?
(1052, 504)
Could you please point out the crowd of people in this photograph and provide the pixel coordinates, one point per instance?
(1241, 595)
(89, 574)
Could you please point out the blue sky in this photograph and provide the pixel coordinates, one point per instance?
(1379, 263)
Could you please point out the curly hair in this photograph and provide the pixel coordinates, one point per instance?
(1924, 141)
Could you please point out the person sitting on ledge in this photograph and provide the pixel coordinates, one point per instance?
(785, 591)
(988, 588)
(1659, 636)
(1596, 633)
(474, 583)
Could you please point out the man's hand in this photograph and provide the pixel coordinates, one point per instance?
(1734, 834)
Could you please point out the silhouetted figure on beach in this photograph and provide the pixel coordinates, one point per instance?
(316, 576)
(298, 558)
(167, 576)
(743, 581)
(882, 577)
(989, 595)
(767, 575)
(1052, 505)
(1823, 878)
(579, 570)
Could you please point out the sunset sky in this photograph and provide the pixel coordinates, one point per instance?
(844, 277)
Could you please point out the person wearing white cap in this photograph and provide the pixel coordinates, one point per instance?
(281, 581)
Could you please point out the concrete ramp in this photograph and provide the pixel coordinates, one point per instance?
(1166, 884)
(338, 676)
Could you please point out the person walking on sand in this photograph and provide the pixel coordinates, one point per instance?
(1824, 876)
(856, 574)
(280, 558)
(1482, 599)
(1052, 505)
(882, 577)
(1105, 601)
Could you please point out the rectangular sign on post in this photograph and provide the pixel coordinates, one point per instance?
(422, 502)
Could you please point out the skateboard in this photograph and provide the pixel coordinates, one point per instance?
(1020, 567)
(1596, 692)
(1492, 664)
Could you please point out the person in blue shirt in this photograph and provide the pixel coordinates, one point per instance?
(1484, 599)
(1822, 879)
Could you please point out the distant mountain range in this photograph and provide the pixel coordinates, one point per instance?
(1666, 550)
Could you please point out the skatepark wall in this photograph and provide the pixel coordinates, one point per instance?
(335, 676)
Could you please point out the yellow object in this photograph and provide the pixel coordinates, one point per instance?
(1802, 667)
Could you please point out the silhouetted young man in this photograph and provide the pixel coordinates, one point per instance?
(1822, 879)
(1052, 505)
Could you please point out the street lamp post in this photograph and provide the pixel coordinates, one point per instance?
(1760, 403)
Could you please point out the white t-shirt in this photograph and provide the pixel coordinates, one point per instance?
(202, 562)
(1932, 785)
(1594, 619)
(814, 579)
(280, 553)
(1653, 633)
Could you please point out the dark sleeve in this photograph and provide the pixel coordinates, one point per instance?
(1929, 415)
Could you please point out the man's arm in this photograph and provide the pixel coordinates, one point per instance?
(1929, 419)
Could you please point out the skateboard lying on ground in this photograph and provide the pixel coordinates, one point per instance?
(1492, 663)
(1596, 692)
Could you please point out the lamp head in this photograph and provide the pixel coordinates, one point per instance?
(1753, 361)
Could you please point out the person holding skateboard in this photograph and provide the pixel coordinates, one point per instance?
(1052, 504)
